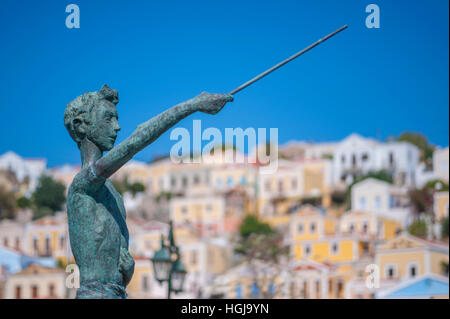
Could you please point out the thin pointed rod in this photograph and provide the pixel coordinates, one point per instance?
(279, 65)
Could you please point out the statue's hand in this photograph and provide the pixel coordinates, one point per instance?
(212, 103)
(126, 265)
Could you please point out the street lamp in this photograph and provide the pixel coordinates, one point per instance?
(167, 265)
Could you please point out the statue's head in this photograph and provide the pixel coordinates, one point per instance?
(93, 116)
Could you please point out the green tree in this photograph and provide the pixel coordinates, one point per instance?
(136, 187)
(7, 203)
(252, 225)
(436, 185)
(123, 186)
(50, 194)
(418, 228)
(119, 185)
(421, 141)
(422, 199)
(39, 212)
(259, 242)
(23, 202)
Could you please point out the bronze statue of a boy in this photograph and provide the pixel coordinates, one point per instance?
(96, 214)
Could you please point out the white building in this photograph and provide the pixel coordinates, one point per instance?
(356, 156)
(382, 199)
(440, 168)
(296, 150)
(29, 168)
(440, 164)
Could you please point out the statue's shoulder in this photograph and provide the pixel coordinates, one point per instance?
(86, 181)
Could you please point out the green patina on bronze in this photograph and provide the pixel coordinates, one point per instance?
(96, 214)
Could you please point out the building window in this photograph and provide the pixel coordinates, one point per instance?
(294, 184)
(280, 186)
(317, 289)
(5, 242)
(144, 283)
(62, 241)
(391, 159)
(218, 182)
(17, 243)
(51, 290)
(230, 181)
(173, 181)
(34, 291)
(313, 227)
(377, 202)
(362, 203)
(196, 180)
(243, 180)
(35, 244)
(391, 272)
(255, 290)
(353, 160)
(364, 227)
(351, 227)
(194, 257)
(267, 186)
(272, 289)
(340, 289)
(184, 210)
(412, 270)
(365, 248)
(365, 157)
(343, 159)
(18, 292)
(184, 181)
(208, 208)
(307, 249)
(300, 228)
(239, 291)
(304, 292)
(391, 201)
(48, 249)
(334, 247)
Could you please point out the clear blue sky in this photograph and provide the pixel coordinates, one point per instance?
(160, 53)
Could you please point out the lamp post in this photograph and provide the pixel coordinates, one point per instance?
(167, 265)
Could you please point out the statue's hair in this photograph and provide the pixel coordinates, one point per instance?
(82, 106)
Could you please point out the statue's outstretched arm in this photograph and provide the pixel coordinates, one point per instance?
(149, 131)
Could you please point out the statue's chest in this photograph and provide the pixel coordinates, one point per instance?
(110, 210)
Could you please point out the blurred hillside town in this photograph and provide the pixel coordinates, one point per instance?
(307, 231)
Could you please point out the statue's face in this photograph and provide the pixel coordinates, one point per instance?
(104, 125)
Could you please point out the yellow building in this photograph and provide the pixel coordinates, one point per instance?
(249, 281)
(288, 280)
(277, 190)
(369, 225)
(37, 282)
(12, 234)
(440, 202)
(145, 236)
(204, 213)
(406, 257)
(203, 260)
(49, 237)
(142, 284)
(311, 223)
(225, 177)
(315, 236)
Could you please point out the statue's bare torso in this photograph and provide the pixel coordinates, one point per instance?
(97, 219)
